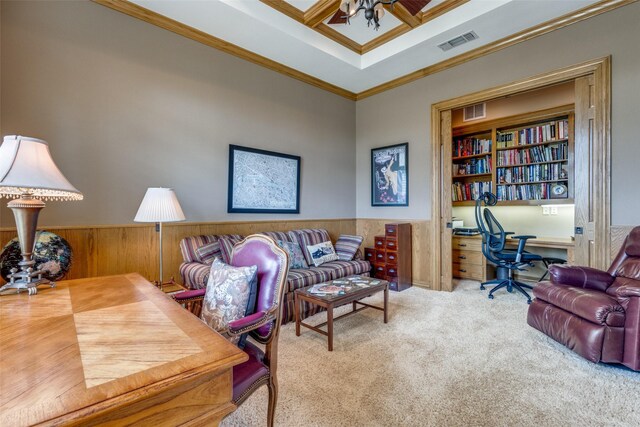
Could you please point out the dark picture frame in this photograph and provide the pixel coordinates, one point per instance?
(390, 175)
(262, 181)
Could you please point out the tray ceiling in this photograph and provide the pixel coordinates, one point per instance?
(298, 35)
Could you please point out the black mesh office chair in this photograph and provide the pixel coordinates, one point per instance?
(494, 240)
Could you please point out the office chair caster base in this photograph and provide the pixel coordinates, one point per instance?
(491, 296)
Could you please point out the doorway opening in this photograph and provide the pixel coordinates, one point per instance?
(577, 95)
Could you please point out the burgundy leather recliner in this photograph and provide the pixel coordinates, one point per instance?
(594, 313)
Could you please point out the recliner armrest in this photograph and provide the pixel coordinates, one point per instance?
(250, 322)
(581, 277)
(628, 290)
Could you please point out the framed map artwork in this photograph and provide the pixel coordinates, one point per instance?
(390, 175)
(262, 181)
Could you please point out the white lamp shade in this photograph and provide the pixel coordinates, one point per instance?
(26, 166)
(159, 205)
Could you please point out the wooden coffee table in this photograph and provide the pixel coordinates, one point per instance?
(358, 287)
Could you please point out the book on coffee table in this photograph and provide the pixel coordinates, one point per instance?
(329, 289)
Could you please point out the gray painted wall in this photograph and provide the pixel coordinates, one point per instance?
(403, 114)
(125, 105)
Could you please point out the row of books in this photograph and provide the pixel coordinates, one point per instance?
(544, 172)
(524, 192)
(534, 135)
(533, 155)
(473, 166)
(469, 191)
(471, 146)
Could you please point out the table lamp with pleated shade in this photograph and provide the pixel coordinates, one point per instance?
(29, 175)
(159, 205)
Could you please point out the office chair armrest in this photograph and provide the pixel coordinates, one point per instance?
(581, 277)
(523, 237)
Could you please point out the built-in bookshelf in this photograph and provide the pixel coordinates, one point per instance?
(524, 159)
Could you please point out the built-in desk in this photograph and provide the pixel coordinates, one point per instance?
(468, 262)
(110, 351)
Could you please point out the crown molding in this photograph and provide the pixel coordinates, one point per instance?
(179, 28)
(176, 27)
(522, 36)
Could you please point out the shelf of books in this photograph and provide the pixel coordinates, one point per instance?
(472, 166)
(530, 162)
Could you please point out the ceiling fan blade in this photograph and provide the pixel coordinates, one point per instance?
(414, 6)
(338, 18)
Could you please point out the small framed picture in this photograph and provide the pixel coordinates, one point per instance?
(390, 175)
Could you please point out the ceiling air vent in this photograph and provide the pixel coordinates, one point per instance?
(457, 41)
(474, 112)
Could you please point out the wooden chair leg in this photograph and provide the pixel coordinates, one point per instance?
(273, 399)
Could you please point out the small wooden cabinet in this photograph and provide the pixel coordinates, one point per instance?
(467, 259)
(390, 257)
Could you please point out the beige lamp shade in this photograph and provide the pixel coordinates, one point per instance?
(159, 205)
(26, 166)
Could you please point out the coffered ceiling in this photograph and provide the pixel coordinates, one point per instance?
(308, 39)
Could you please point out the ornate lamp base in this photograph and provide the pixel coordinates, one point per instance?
(28, 280)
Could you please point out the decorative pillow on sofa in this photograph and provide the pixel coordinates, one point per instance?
(309, 236)
(296, 258)
(347, 246)
(226, 246)
(321, 253)
(208, 252)
(230, 295)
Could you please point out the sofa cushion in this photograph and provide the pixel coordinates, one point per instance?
(189, 246)
(591, 305)
(309, 236)
(231, 295)
(208, 252)
(341, 269)
(347, 246)
(194, 275)
(296, 257)
(277, 235)
(299, 278)
(322, 252)
(227, 242)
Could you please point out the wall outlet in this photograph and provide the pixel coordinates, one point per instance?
(554, 210)
(545, 210)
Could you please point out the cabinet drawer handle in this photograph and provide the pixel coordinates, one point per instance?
(462, 257)
(462, 244)
(391, 244)
(392, 257)
(463, 271)
(390, 230)
(380, 256)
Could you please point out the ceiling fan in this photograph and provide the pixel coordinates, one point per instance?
(373, 10)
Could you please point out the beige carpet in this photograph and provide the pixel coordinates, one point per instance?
(444, 359)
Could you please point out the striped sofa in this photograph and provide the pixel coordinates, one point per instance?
(195, 272)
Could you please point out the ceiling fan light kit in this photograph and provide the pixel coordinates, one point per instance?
(373, 10)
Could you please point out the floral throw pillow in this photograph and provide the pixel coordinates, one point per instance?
(321, 253)
(347, 247)
(230, 295)
(296, 258)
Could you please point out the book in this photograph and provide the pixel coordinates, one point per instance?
(329, 289)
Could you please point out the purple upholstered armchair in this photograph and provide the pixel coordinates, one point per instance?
(594, 313)
(263, 325)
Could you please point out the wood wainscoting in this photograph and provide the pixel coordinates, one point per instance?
(107, 250)
(618, 234)
(420, 244)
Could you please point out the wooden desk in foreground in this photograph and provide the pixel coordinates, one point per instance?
(110, 351)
